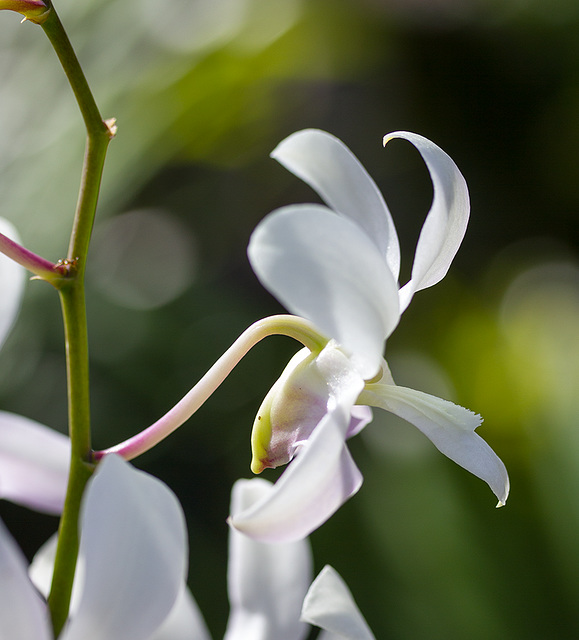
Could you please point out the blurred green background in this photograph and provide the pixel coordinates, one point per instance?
(203, 90)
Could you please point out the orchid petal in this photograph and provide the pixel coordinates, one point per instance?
(34, 463)
(332, 170)
(449, 427)
(317, 482)
(325, 268)
(446, 222)
(185, 621)
(330, 606)
(267, 582)
(23, 613)
(42, 567)
(12, 277)
(361, 416)
(314, 486)
(133, 544)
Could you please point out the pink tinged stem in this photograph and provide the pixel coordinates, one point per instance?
(36, 264)
(287, 325)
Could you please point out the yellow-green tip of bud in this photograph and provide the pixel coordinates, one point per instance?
(33, 10)
(261, 437)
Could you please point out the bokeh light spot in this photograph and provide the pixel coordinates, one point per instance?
(143, 259)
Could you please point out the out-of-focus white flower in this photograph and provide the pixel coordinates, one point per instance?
(267, 583)
(338, 266)
(12, 277)
(269, 586)
(330, 605)
(33, 459)
(133, 559)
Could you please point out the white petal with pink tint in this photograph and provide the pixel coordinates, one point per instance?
(34, 463)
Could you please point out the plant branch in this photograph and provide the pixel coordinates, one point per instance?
(292, 326)
(71, 289)
(36, 264)
(99, 133)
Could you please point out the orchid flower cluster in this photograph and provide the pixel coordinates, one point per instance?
(336, 267)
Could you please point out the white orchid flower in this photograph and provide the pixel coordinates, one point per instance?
(132, 536)
(269, 586)
(338, 266)
(267, 583)
(183, 620)
(133, 555)
(270, 592)
(33, 459)
(329, 605)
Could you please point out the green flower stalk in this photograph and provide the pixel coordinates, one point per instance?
(68, 277)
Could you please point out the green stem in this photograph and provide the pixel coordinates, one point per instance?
(99, 134)
(76, 341)
(95, 153)
(58, 38)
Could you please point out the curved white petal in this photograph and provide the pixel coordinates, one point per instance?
(314, 487)
(446, 222)
(329, 167)
(267, 582)
(42, 566)
(185, 621)
(361, 416)
(330, 606)
(449, 427)
(325, 268)
(34, 463)
(23, 613)
(133, 544)
(12, 278)
(315, 484)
